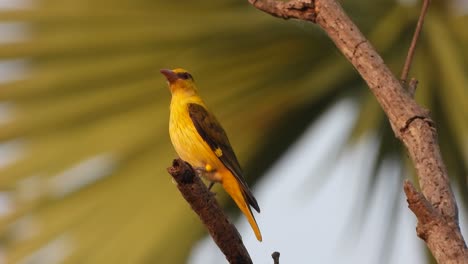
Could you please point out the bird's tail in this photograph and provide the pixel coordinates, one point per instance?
(233, 188)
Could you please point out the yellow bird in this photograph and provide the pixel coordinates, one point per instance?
(199, 139)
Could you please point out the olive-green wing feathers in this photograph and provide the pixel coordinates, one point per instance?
(214, 135)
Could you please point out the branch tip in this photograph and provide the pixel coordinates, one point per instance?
(182, 172)
(275, 255)
(420, 206)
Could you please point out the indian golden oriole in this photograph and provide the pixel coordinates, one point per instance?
(199, 139)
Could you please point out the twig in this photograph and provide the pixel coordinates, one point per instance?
(414, 41)
(410, 122)
(431, 221)
(205, 205)
(275, 257)
(412, 85)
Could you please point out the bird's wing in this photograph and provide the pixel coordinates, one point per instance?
(214, 135)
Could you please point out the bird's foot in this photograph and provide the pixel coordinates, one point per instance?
(200, 171)
(207, 171)
(209, 188)
(211, 185)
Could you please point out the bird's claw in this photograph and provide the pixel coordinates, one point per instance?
(211, 185)
(204, 171)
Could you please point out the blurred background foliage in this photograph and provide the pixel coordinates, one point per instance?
(83, 117)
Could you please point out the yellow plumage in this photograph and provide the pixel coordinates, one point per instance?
(199, 139)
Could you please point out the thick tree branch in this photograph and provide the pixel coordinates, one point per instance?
(205, 205)
(410, 123)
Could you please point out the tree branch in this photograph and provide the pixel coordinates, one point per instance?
(205, 205)
(414, 41)
(275, 255)
(410, 122)
(431, 220)
(304, 10)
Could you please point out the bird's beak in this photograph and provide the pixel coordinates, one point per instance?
(170, 75)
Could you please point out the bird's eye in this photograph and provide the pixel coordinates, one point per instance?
(185, 75)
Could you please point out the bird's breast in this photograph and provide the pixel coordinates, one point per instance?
(188, 144)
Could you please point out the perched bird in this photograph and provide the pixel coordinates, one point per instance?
(199, 139)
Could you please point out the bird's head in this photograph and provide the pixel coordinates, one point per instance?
(180, 81)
